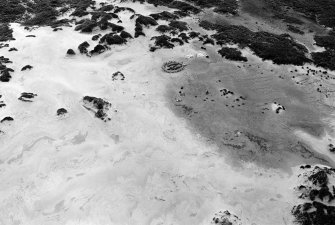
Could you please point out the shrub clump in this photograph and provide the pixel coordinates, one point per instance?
(232, 54)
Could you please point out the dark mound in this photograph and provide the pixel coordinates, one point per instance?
(106, 8)
(120, 9)
(7, 118)
(225, 218)
(83, 47)
(208, 41)
(146, 21)
(112, 39)
(232, 54)
(87, 26)
(138, 30)
(125, 35)
(4, 70)
(116, 28)
(177, 40)
(164, 16)
(98, 49)
(162, 41)
(178, 25)
(164, 28)
(70, 52)
(96, 37)
(27, 67)
(61, 111)
(118, 76)
(26, 96)
(98, 105)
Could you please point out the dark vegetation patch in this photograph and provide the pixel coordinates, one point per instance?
(208, 40)
(295, 29)
(70, 52)
(5, 71)
(121, 9)
(80, 6)
(291, 20)
(164, 16)
(26, 67)
(83, 47)
(6, 33)
(125, 35)
(195, 6)
(11, 11)
(61, 111)
(318, 192)
(139, 30)
(107, 8)
(7, 118)
(118, 76)
(146, 21)
(162, 41)
(319, 11)
(27, 96)
(98, 106)
(112, 39)
(164, 28)
(2, 45)
(326, 41)
(115, 27)
(43, 12)
(221, 6)
(232, 54)
(2, 103)
(325, 59)
(281, 49)
(98, 49)
(177, 40)
(87, 26)
(184, 8)
(96, 37)
(178, 25)
(225, 218)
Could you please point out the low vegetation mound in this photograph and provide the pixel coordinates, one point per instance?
(281, 49)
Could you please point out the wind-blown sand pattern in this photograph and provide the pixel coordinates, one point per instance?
(104, 134)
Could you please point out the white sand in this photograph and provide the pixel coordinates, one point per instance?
(142, 167)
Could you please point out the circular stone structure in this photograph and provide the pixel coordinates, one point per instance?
(173, 67)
